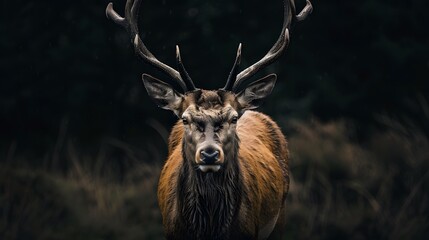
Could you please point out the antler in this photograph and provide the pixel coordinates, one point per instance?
(129, 22)
(234, 79)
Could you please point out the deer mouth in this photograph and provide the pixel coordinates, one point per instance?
(209, 168)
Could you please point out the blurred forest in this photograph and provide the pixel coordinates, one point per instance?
(81, 144)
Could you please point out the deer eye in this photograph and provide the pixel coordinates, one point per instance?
(185, 121)
(234, 120)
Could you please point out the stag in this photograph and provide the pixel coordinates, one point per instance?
(227, 174)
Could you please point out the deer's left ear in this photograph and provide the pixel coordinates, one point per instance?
(163, 94)
(253, 95)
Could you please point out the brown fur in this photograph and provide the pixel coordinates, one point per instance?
(259, 187)
(226, 176)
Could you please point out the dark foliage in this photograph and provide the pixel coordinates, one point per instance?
(61, 60)
(70, 81)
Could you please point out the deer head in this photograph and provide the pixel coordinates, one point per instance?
(209, 116)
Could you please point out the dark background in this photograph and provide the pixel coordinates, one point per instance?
(356, 74)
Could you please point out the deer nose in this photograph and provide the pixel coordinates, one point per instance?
(209, 155)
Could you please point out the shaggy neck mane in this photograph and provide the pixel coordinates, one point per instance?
(208, 202)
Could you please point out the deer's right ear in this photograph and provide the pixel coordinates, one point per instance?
(163, 94)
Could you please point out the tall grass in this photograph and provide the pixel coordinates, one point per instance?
(341, 188)
(91, 200)
(344, 190)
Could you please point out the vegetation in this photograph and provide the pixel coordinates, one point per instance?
(340, 189)
(345, 190)
(81, 144)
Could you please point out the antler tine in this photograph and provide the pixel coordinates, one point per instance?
(130, 22)
(183, 72)
(305, 12)
(280, 45)
(148, 57)
(114, 16)
(233, 74)
(269, 58)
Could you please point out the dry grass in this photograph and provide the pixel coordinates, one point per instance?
(346, 190)
(89, 201)
(340, 189)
